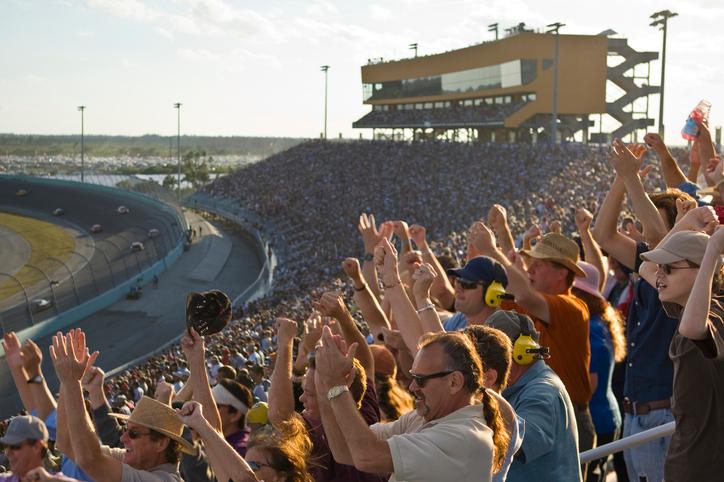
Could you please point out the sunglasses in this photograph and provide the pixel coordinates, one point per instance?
(256, 466)
(667, 268)
(17, 447)
(421, 380)
(466, 285)
(133, 434)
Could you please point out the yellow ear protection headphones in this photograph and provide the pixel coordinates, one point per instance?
(525, 349)
(494, 293)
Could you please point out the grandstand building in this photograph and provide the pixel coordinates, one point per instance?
(503, 91)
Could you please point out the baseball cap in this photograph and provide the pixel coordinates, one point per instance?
(684, 245)
(259, 413)
(481, 269)
(513, 324)
(590, 283)
(24, 427)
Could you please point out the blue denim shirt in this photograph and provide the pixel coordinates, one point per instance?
(550, 446)
(456, 322)
(649, 370)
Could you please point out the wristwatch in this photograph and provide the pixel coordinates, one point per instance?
(36, 379)
(334, 392)
(369, 256)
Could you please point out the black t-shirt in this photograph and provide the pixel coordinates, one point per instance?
(696, 451)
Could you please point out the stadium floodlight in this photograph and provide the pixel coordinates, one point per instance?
(553, 28)
(493, 27)
(325, 69)
(661, 20)
(177, 106)
(81, 108)
(413, 47)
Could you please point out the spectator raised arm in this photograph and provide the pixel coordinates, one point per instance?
(371, 237)
(441, 288)
(195, 351)
(16, 362)
(281, 392)
(591, 250)
(365, 299)
(673, 175)
(498, 220)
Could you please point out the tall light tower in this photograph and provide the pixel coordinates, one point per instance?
(553, 28)
(81, 108)
(177, 106)
(413, 47)
(661, 20)
(493, 27)
(324, 69)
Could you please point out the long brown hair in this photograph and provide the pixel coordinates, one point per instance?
(611, 316)
(288, 447)
(462, 356)
(393, 399)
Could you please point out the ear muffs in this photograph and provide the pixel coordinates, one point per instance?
(494, 294)
(526, 350)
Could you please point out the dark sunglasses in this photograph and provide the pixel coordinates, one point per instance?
(256, 466)
(133, 434)
(667, 268)
(466, 285)
(17, 447)
(421, 380)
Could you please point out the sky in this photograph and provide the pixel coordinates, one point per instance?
(252, 68)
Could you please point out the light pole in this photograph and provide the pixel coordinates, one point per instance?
(177, 106)
(553, 28)
(81, 108)
(324, 69)
(493, 27)
(413, 47)
(661, 20)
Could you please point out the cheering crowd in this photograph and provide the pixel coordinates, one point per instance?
(443, 346)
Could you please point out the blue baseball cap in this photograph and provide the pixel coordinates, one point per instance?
(481, 269)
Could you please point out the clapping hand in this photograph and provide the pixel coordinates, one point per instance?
(423, 278)
(334, 361)
(70, 356)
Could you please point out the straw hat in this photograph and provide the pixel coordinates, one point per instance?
(160, 418)
(558, 248)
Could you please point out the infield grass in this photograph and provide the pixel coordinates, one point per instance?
(45, 239)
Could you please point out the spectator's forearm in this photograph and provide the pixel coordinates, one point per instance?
(281, 392)
(405, 315)
(371, 311)
(353, 335)
(654, 226)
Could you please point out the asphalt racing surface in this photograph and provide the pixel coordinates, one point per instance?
(130, 329)
(101, 260)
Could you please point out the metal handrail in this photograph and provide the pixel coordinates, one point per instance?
(631, 441)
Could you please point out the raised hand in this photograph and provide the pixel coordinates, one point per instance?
(655, 142)
(92, 380)
(418, 235)
(481, 238)
(312, 331)
(164, 392)
(497, 217)
(584, 217)
(70, 357)
(368, 229)
(411, 261)
(192, 415)
(626, 162)
(13, 351)
(333, 362)
(423, 278)
(683, 207)
(32, 358)
(400, 229)
(193, 347)
(533, 232)
(702, 219)
(393, 339)
(331, 304)
(286, 331)
(386, 261)
(351, 268)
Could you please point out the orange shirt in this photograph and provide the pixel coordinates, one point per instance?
(566, 335)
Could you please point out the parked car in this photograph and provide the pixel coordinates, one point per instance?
(96, 228)
(136, 246)
(122, 210)
(40, 304)
(58, 212)
(152, 233)
(21, 193)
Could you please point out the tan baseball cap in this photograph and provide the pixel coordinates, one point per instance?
(558, 248)
(684, 245)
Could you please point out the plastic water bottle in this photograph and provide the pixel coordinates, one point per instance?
(699, 114)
